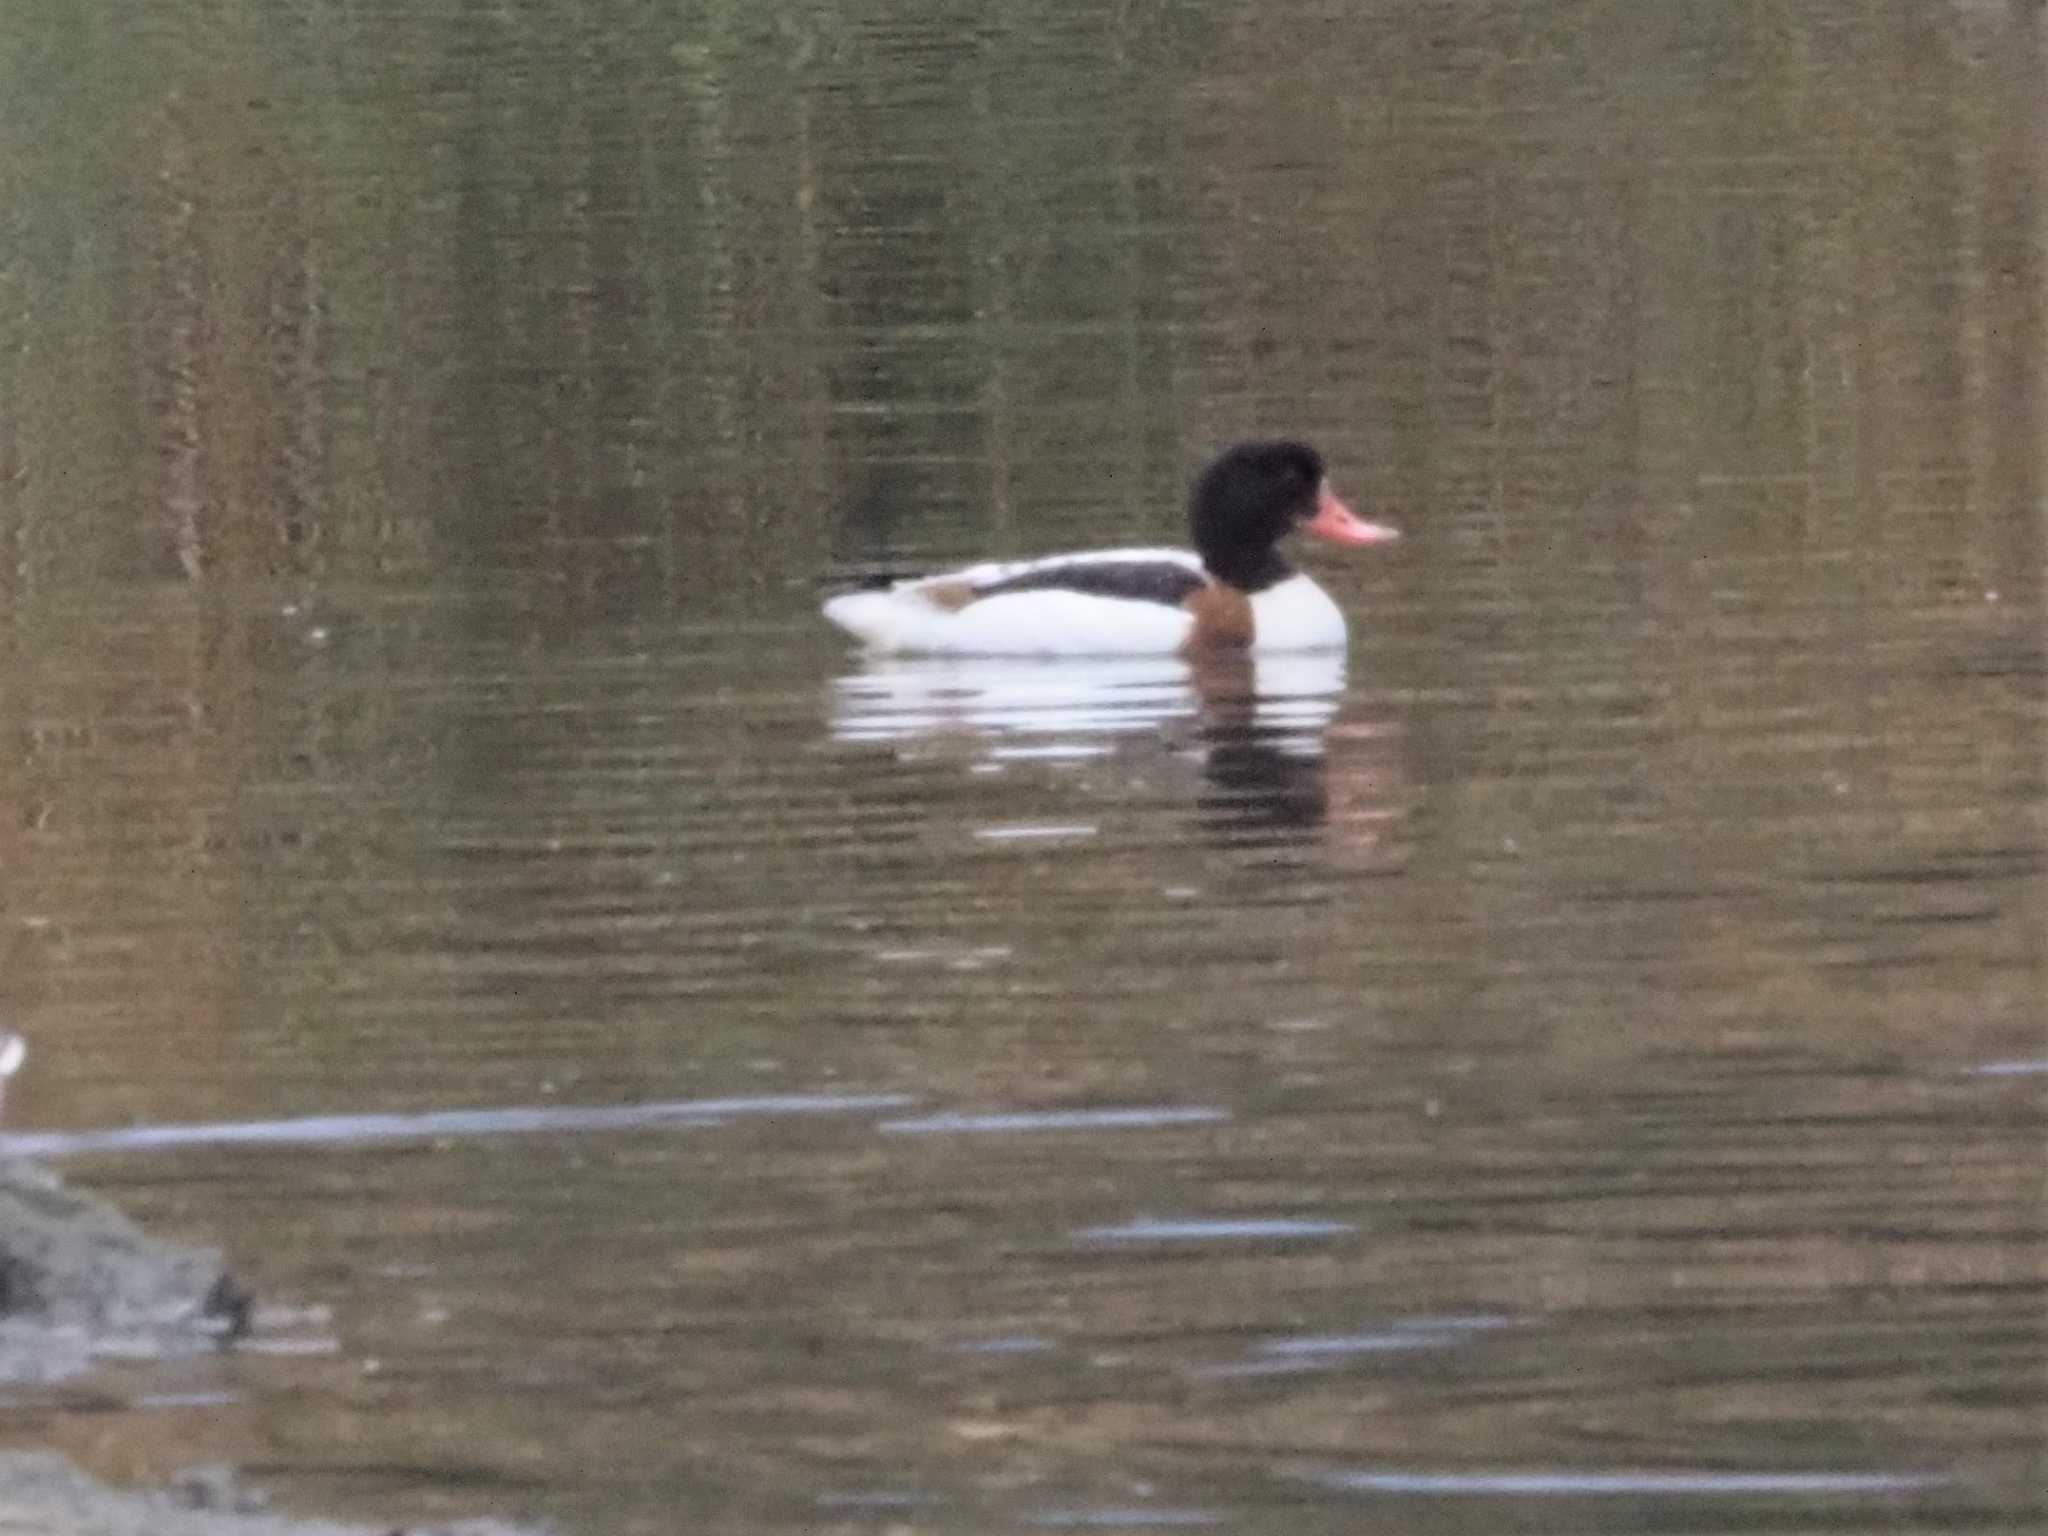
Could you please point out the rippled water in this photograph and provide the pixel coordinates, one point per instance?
(1575, 1063)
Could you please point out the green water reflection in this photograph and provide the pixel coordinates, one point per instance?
(425, 430)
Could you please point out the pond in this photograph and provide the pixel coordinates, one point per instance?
(1573, 1062)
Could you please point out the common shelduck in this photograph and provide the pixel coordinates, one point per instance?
(1234, 590)
(13, 1049)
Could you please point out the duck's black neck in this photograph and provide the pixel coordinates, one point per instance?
(1248, 570)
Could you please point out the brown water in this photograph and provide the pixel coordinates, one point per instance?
(1577, 1066)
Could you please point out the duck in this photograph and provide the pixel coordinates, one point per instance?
(13, 1051)
(1234, 591)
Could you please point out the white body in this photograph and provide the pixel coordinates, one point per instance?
(1294, 615)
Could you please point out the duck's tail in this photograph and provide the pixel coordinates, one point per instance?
(878, 619)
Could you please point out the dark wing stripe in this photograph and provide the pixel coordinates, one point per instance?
(1145, 581)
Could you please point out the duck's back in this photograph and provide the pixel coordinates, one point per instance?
(1106, 603)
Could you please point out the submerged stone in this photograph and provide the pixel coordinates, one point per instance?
(77, 1276)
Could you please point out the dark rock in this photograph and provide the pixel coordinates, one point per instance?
(74, 1271)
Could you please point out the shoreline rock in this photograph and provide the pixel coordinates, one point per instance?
(42, 1494)
(78, 1282)
(77, 1278)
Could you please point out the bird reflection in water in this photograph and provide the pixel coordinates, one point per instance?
(1262, 736)
(1257, 727)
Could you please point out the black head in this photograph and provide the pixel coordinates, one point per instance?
(1245, 502)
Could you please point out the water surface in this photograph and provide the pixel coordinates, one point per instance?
(1572, 1062)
